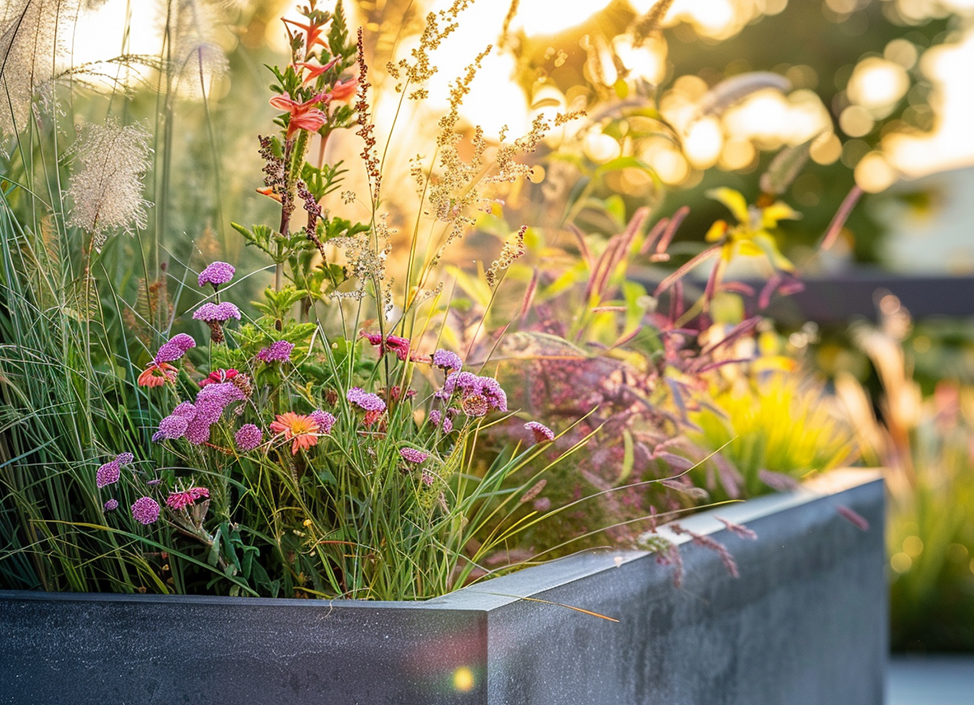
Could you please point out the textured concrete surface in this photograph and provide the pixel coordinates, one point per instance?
(930, 680)
(805, 623)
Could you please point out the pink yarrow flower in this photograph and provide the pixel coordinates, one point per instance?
(110, 472)
(413, 456)
(324, 420)
(279, 351)
(542, 434)
(365, 400)
(438, 419)
(146, 510)
(174, 348)
(215, 274)
(216, 313)
(248, 437)
(447, 360)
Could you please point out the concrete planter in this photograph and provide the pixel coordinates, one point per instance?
(805, 623)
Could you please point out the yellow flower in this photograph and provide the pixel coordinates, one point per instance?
(751, 236)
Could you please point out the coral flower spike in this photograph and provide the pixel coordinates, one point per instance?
(301, 429)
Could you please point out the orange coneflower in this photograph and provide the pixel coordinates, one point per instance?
(302, 429)
(157, 374)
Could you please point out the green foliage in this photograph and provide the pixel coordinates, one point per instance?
(775, 424)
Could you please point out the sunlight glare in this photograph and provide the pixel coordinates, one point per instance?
(647, 61)
(951, 144)
(543, 17)
(89, 43)
(877, 84)
(762, 116)
(711, 18)
(703, 143)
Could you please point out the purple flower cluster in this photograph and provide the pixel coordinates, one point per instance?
(192, 421)
(277, 352)
(146, 510)
(542, 434)
(216, 273)
(110, 472)
(216, 313)
(248, 437)
(324, 420)
(365, 400)
(448, 361)
(175, 348)
(111, 505)
(437, 418)
(478, 395)
(413, 456)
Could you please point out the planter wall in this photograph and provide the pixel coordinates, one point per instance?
(805, 623)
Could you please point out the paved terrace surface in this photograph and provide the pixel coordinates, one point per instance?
(930, 680)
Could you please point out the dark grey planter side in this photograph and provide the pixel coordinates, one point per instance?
(805, 623)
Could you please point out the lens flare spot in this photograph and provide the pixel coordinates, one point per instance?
(463, 680)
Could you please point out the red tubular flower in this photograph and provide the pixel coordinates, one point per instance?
(219, 376)
(312, 33)
(315, 70)
(156, 375)
(344, 90)
(304, 116)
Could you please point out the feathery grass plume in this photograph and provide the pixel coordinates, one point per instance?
(644, 27)
(197, 60)
(439, 26)
(106, 185)
(30, 32)
(510, 253)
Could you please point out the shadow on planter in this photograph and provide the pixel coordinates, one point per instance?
(805, 623)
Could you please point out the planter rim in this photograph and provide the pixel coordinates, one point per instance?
(504, 590)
